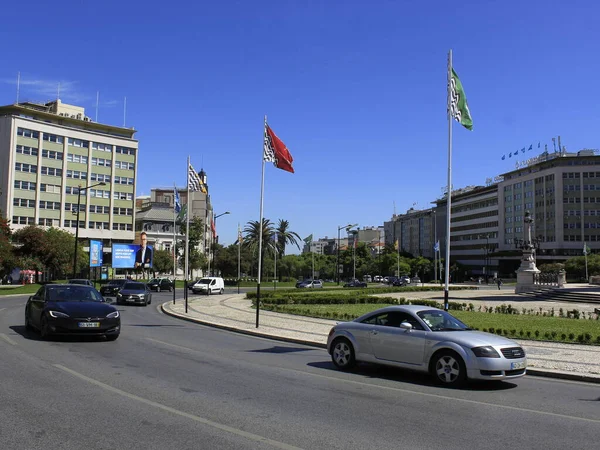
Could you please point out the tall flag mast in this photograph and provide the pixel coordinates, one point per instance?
(459, 111)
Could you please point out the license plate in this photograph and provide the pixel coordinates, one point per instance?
(89, 324)
(131, 299)
(517, 365)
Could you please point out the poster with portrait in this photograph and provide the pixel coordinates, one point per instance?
(96, 249)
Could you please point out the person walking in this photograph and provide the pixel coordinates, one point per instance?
(499, 281)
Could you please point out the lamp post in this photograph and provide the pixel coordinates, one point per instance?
(485, 260)
(337, 263)
(215, 240)
(79, 189)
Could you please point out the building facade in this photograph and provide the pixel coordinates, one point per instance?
(48, 152)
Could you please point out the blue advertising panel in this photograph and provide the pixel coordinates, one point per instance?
(95, 253)
(129, 256)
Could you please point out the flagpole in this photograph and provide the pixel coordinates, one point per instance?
(239, 257)
(187, 231)
(174, 241)
(275, 266)
(260, 229)
(585, 252)
(449, 189)
(435, 246)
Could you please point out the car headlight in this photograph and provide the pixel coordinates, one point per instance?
(113, 315)
(57, 314)
(486, 352)
(119, 294)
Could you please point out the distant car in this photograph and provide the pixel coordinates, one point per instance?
(134, 292)
(209, 285)
(415, 280)
(60, 309)
(428, 340)
(356, 284)
(160, 284)
(314, 284)
(112, 288)
(80, 281)
(300, 283)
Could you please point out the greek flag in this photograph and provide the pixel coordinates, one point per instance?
(436, 247)
(177, 201)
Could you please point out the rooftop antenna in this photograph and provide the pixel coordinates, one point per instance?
(394, 207)
(18, 85)
(97, 102)
(554, 144)
(560, 149)
(124, 110)
(58, 92)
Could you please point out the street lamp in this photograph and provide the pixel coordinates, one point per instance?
(487, 249)
(337, 264)
(79, 189)
(216, 239)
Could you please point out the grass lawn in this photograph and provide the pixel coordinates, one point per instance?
(526, 326)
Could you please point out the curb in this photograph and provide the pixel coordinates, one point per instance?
(546, 373)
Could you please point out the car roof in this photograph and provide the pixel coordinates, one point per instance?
(400, 308)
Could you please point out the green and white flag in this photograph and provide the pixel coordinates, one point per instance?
(308, 240)
(586, 249)
(457, 103)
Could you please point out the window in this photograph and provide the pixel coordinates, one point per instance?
(51, 154)
(49, 205)
(48, 222)
(53, 138)
(98, 225)
(24, 202)
(77, 174)
(125, 150)
(102, 147)
(124, 165)
(98, 193)
(22, 167)
(25, 150)
(25, 185)
(100, 177)
(73, 224)
(78, 143)
(122, 196)
(52, 171)
(21, 220)
(71, 190)
(122, 211)
(122, 227)
(28, 133)
(77, 158)
(99, 209)
(51, 188)
(123, 180)
(101, 162)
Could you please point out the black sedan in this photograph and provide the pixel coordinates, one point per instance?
(112, 288)
(71, 309)
(160, 284)
(133, 293)
(356, 284)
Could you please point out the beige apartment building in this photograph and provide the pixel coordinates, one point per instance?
(48, 151)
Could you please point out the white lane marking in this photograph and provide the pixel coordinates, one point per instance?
(408, 391)
(202, 420)
(7, 339)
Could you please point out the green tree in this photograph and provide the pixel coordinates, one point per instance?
(252, 234)
(420, 266)
(7, 257)
(162, 261)
(59, 253)
(31, 248)
(286, 236)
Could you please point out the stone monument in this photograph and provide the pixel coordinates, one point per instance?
(526, 273)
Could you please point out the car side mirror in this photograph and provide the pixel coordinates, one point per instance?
(406, 326)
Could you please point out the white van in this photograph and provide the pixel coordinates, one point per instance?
(209, 285)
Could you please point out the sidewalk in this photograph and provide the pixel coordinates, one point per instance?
(235, 313)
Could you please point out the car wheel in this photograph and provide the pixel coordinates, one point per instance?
(112, 337)
(158, 289)
(342, 354)
(448, 368)
(221, 291)
(150, 300)
(170, 289)
(44, 329)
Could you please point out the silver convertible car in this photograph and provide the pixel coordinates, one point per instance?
(428, 340)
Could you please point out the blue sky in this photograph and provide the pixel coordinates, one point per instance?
(356, 90)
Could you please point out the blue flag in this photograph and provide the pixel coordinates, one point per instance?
(177, 201)
(539, 143)
(503, 157)
(436, 247)
(530, 147)
(522, 150)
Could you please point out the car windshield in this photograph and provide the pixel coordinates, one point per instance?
(117, 283)
(154, 280)
(204, 281)
(441, 321)
(78, 282)
(134, 286)
(73, 294)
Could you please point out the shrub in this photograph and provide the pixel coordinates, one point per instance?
(537, 333)
(571, 336)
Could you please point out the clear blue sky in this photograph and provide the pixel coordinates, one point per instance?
(357, 91)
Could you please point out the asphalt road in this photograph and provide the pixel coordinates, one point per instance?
(170, 384)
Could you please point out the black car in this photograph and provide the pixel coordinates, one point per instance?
(356, 284)
(63, 309)
(80, 281)
(160, 284)
(112, 288)
(134, 292)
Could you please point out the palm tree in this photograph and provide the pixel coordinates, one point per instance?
(252, 233)
(285, 236)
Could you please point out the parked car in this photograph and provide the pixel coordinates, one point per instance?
(301, 283)
(356, 284)
(160, 284)
(209, 285)
(59, 309)
(425, 339)
(80, 281)
(415, 280)
(134, 292)
(112, 288)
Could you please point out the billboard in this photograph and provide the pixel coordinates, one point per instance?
(130, 256)
(95, 253)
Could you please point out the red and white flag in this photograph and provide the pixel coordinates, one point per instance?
(276, 152)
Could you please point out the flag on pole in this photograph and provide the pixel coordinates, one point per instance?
(396, 244)
(240, 237)
(586, 249)
(213, 228)
(276, 152)
(195, 183)
(308, 240)
(436, 247)
(459, 109)
(530, 147)
(177, 201)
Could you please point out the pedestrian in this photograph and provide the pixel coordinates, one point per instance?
(499, 281)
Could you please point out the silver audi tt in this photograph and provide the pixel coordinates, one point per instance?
(428, 340)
